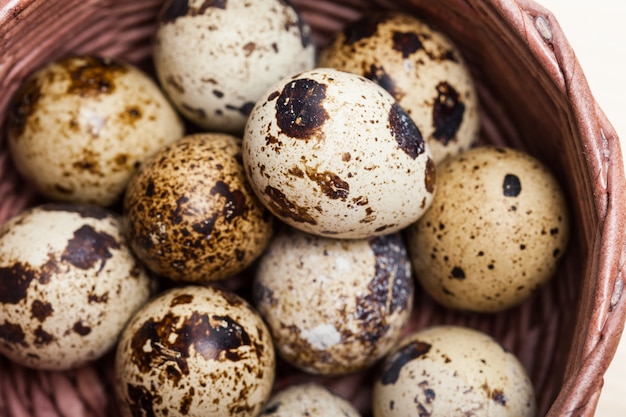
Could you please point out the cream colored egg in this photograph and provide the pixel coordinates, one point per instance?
(197, 351)
(421, 67)
(216, 58)
(333, 154)
(334, 306)
(495, 232)
(190, 213)
(452, 371)
(80, 126)
(68, 285)
(307, 400)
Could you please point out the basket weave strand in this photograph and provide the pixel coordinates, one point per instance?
(534, 97)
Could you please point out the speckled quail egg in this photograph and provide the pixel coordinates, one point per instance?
(333, 154)
(452, 371)
(190, 213)
(334, 306)
(68, 285)
(495, 232)
(79, 127)
(197, 351)
(307, 400)
(421, 67)
(216, 58)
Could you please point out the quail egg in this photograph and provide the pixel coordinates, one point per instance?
(216, 58)
(333, 154)
(197, 351)
(79, 127)
(452, 371)
(68, 285)
(190, 213)
(495, 232)
(334, 306)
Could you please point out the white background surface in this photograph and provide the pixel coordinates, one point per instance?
(596, 30)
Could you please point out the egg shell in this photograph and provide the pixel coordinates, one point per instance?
(215, 59)
(68, 284)
(421, 67)
(452, 371)
(307, 400)
(334, 306)
(331, 153)
(495, 232)
(197, 351)
(79, 127)
(190, 213)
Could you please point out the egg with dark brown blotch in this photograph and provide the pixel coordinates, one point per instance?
(421, 67)
(452, 371)
(334, 306)
(80, 126)
(190, 213)
(216, 58)
(495, 232)
(68, 285)
(333, 154)
(197, 351)
(308, 400)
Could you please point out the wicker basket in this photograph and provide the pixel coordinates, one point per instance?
(534, 97)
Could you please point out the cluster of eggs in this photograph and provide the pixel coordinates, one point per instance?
(337, 180)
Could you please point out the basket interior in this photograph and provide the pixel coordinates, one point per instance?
(531, 99)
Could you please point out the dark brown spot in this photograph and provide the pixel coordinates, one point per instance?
(218, 93)
(345, 157)
(406, 133)
(100, 299)
(249, 48)
(41, 310)
(363, 28)
(388, 291)
(235, 201)
(92, 75)
(14, 282)
(121, 159)
(42, 337)
(458, 273)
(12, 333)
(81, 329)
(299, 109)
(141, 401)
(380, 77)
(281, 205)
(273, 95)
(89, 247)
(430, 176)
(511, 186)
(330, 183)
(554, 231)
(170, 339)
(499, 397)
(244, 109)
(23, 107)
(296, 172)
(406, 43)
(448, 111)
(181, 299)
(395, 363)
(171, 81)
